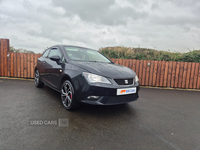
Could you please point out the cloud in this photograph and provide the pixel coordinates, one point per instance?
(107, 12)
(35, 25)
(178, 12)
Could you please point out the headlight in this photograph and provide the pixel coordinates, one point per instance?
(93, 78)
(136, 79)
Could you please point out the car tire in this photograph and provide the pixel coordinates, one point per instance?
(68, 97)
(38, 82)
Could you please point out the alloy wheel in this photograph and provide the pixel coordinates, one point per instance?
(67, 94)
(37, 77)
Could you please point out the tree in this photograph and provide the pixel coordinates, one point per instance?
(20, 50)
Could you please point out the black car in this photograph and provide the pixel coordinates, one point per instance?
(84, 75)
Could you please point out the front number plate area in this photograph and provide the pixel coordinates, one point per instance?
(126, 91)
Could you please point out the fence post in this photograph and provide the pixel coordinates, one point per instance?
(4, 49)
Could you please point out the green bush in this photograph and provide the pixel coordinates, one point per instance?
(121, 52)
(20, 50)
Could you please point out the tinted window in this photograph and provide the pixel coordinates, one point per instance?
(45, 54)
(84, 54)
(54, 52)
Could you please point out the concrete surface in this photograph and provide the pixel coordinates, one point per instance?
(160, 120)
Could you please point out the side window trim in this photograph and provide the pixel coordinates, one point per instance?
(47, 54)
(58, 50)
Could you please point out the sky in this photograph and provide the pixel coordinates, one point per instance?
(172, 25)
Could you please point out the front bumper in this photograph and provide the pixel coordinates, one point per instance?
(112, 100)
(107, 94)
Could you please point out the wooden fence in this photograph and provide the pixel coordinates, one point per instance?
(165, 73)
(20, 65)
(150, 73)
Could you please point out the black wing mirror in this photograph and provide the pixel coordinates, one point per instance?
(55, 58)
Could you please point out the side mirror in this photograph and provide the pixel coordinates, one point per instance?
(55, 58)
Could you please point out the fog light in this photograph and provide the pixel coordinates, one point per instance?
(92, 97)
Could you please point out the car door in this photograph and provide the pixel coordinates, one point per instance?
(41, 65)
(54, 68)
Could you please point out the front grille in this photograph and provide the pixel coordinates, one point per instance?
(122, 81)
(122, 99)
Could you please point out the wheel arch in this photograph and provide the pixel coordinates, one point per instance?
(64, 78)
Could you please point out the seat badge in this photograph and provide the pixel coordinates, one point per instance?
(126, 81)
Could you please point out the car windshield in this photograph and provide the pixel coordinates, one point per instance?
(84, 54)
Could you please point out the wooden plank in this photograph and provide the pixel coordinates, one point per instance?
(18, 65)
(116, 61)
(176, 82)
(32, 65)
(134, 65)
(22, 65)
(137, 67)
(184, 75)
(181, 75)
(120, 62)
(25, 65)
(188, 75)
(192, 75)
(11, 64)
(144, 72)
(147, 72)
(4, 59)
(124, 62)
(1, 58)
(166, 74)
(29, 66)
(15, 64)
(140, 71)
(151, 73)
(196, 72)
(198, 84)
(128, 63)
(158, 73)
(169, 74)
(155, 72)
(112, 59)
(5, 49)
(173, 74)
(162, 73)
(8, 64)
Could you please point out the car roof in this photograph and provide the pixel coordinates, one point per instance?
(72, 46)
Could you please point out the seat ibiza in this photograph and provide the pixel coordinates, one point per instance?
(84, 75)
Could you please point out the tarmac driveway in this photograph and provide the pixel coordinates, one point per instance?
(162, 119)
